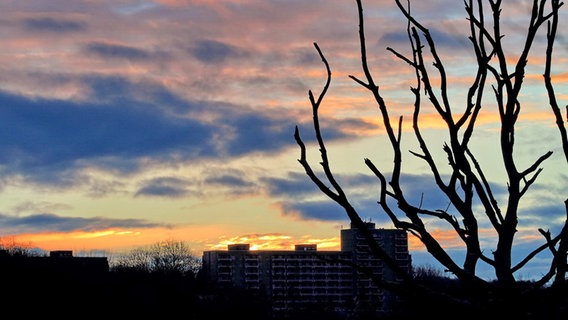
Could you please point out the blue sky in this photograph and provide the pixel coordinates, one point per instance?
(128, 122)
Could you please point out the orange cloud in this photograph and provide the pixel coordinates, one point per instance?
(77, 241)
(116, 240)
(448, 239)
(275, 241)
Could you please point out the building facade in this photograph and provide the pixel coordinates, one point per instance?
(304, 277)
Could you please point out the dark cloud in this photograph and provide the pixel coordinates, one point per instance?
(54, 25)
(122, 122)
(170, 187)
(299, 196)
(117, 91)
(212, 51)
(230, 180)
(294, 185)
(422, 191)
(337, 129)
(266, 134)
(55, 134)
(449, 39)
(440, 37)
(47, 221)
(542, 213)
(325, 210)
(393, 37)
(114, 51)
(299, 184)
(233, 183)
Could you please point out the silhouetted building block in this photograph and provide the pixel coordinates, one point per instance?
(61, 253)
(37, 284)
(239, 246)
(304, 277)
(306, 247)
(58, 262)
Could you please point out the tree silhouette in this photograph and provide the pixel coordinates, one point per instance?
(497, 84)
(167, 256)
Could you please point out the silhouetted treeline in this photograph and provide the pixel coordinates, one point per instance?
(35, 286)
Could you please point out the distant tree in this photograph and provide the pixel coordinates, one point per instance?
(461, 177)
(168, 256)
(427, 272)
(17, 248)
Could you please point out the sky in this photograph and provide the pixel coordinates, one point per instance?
(126, 123)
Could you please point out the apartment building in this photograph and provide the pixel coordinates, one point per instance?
(304, 277)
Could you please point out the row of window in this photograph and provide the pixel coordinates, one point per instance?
(286, 292)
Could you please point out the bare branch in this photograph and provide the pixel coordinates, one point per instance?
(339, 195)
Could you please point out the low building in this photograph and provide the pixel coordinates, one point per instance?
(59, 262)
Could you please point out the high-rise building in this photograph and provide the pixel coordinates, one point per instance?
(296, 279)
(395, 243)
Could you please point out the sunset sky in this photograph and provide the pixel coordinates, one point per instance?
(129, 122)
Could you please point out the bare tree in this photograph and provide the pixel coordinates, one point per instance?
(467, 183)
(15, 248)
(168, 256)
